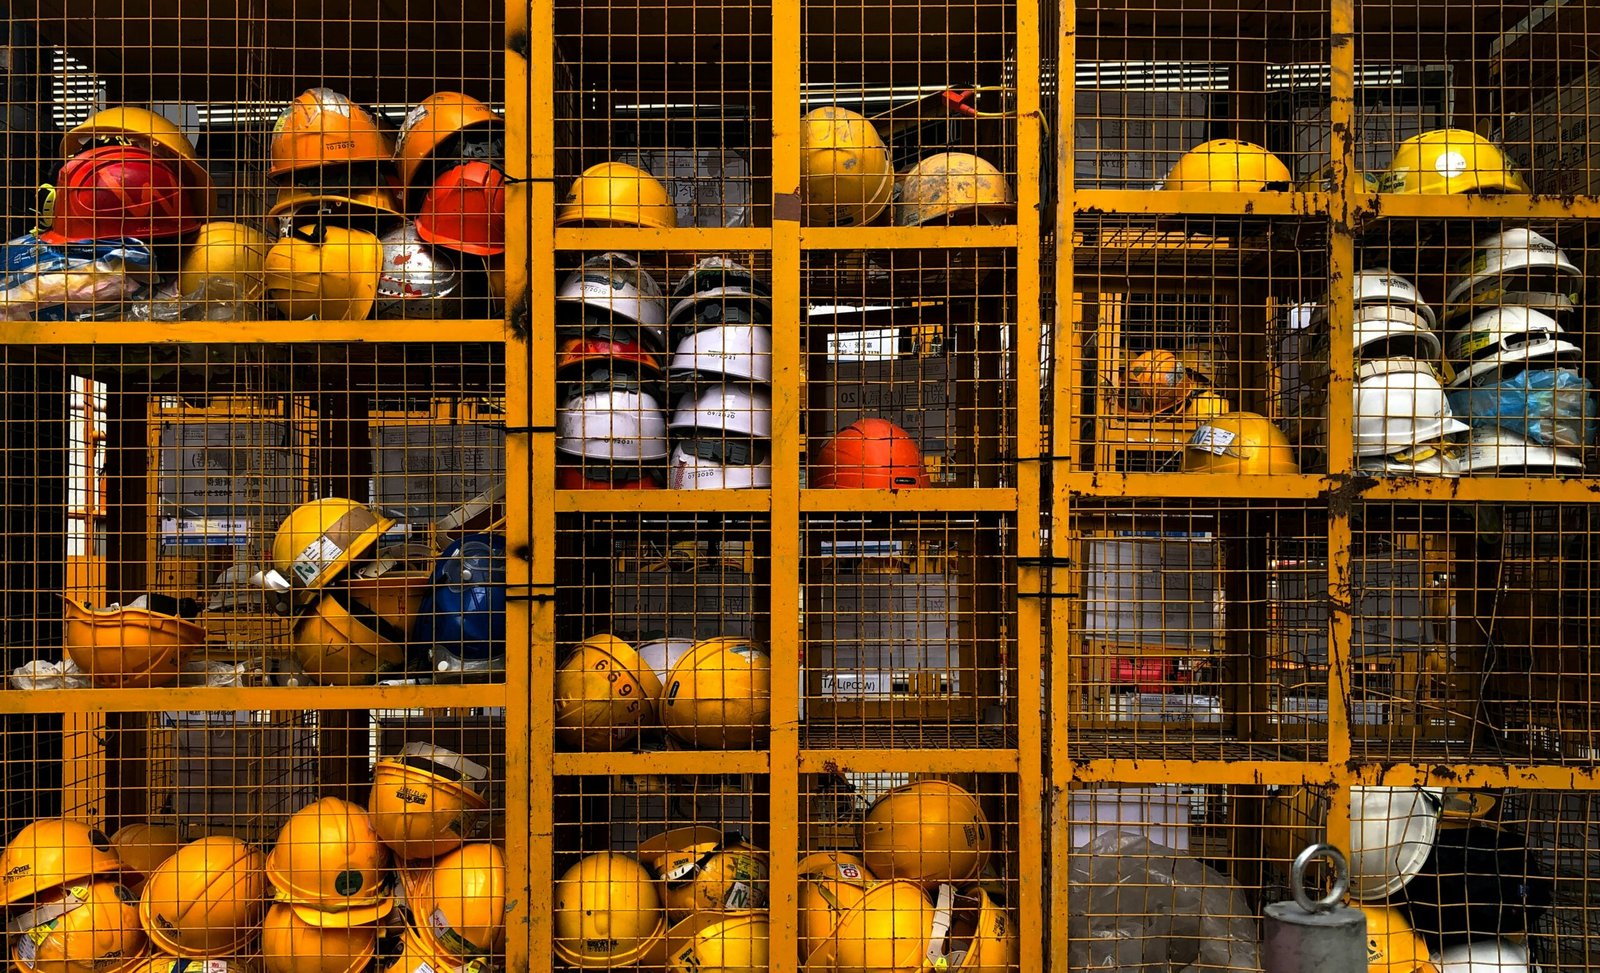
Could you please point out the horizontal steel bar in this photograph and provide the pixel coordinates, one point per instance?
(250, 332)
(217, 698)
(1228, 772)
(1142, 201)
(1199, 486)
(906, 237)
(955, 499)
(1483, 776)
(948, 761)
(678, 762)
(663, 501)
(1376, 205)
(676, 238)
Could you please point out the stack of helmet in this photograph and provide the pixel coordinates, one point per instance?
(611, 430)
(913, 901)
(869, 454)
(330, 871)
(722, 358)
(338, 638)
(128, 174)
(67, 908)
(336, 196)
(450, 155)
(1516, 377)
(713, 694)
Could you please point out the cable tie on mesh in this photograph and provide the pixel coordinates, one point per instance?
(1045, 561)
(519, 430)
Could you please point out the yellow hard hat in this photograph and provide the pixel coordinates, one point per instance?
(51, 852)
(336, 646)
(1449, 161)
(206, 900)
(324, 272)
(142, 848)
(719, 694)
(289, 944)
(1239, 442)
(1392, 945)
(954, 187)
(885, 931)
(978, 935)
(404, 949)
(128, 647)
(80, 929)
(293, 198)
(461, 902)
(320, 539)
(230, 250)
(395, 595)
(831, 883)
(427, 801)
(928, 831)
(329, 861)
(1204, 405)
(703, 869)
(719, 942)
(435, 119)
(322, 127)
(604, 694)
(846, 178)
(137, 126)
(608, 914)
(1228, 165)
(617, 194)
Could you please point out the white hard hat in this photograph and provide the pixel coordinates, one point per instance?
(1429, 459)
(1505, 336)
(1380, 286)
(615, 286)
(739, 409)
(1389, 331)
(1557, 306)
(718, 291)
(719, 464)
(662, 654)
(1517, 259)
(737, 351)
(1495, 451)
(615, 423)
(1391, 834)
(1484, 956)
(1399, 405)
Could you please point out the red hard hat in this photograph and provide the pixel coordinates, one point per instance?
(576, 351)
(117, 192)
(466, 210)
(870, 454)
(574, 478)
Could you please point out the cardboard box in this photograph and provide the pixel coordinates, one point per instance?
(876, 637)
(1152, 591)
(696, 604)
(422, 471)
(219, 478)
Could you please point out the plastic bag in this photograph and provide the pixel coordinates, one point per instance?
(1135, 906)
(1548, 406)
(70, 282)
(216, 299)
(40, 674)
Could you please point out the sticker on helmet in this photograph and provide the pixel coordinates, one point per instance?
(1212, 440)
(413, 116)
(316, 556)
(347, 882)
(1451, 164)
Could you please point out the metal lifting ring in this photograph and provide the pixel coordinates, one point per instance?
(1341, 878)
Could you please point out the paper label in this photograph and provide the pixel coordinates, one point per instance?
(1212, 440)
(316, 556)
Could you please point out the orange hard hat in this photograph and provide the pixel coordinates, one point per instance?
(591, 347)
(322, 127)
(578, 478)
(869, 454)
(466, 210)
(117, 192)
(435, 119)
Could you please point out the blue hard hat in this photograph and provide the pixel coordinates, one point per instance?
(464, 611)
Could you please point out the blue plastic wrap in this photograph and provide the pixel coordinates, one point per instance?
(1548, 406)
(70, 282)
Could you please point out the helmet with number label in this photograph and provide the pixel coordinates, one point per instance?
(461, 902)
(609, 288)
(706, 870)
(90, 928)
(1239, 442)
(322, 127)
(726, 408)
(332, 865)
(1228, 165)
(617, 194)
(608, 914)
(289, 944)
(719, 942)
(51, 852)
(928, 831)
(720, 463)
(604, 694)
(142, 848)
(338, 641)
(1449, 161)
(619, 422)
(719, 694)
(320, 539)
(427, 800)
(207, 899)
(846, 177)
(741, 351)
